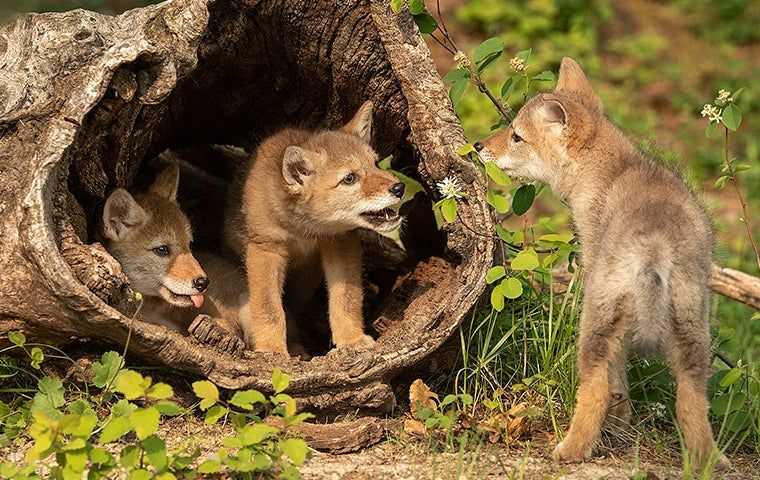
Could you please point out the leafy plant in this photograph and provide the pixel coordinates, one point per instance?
(116, 431)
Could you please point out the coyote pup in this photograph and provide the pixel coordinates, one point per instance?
(304, 194)
(150, 236)
(646, 245)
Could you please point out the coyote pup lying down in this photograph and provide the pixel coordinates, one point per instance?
(304, 194)
(646, 249)
(150, 236)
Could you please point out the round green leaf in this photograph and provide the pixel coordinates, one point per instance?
(425, 22)
(207, 392)
(523, 199)
(497, 174)
(144, 422)
(497, 201)
(449, 209)
(732, 117)
(495, 273)
(497, 298)
(296, 450)
(525, 260)
(280, 380)
(511, 288)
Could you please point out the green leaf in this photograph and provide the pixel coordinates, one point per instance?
(123, 408)
(169, 409)
(155, 450)
(731, 377)
(736, 94)
(503, 234)
(144, 422)
(207, 392)
(100, 456)
(498, 201)
(385, 164)
(456, 91)
(129, 456)
(741, 167)
(545, 76)
(425, 22)
(490, 47)
(523, 199)
(712, 130)
(727, 403)
(507, 87)
(720, 183)
(107, 368)
(495, 273)
(525, 260)
(497, 174)
(36, 357)
(295, 449)
(397, 5)
(160, 391)
(732, 117)
(738, 421)
(140, 474)
(511, 288)
(247, 398)
(456, 75)
(214, 413)
(280, 380)
(449, 209)
(210, 466)
(416, 7)
(556, 237)
(497, 298)
(131, 384)
(256, 433)
(465, 149)
(52, 389)
(17, 338)
(116, 428)
(524, 55)
(448, 399)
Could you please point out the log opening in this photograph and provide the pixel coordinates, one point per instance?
(188, 73)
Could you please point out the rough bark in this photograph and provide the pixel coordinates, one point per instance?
(87, 100)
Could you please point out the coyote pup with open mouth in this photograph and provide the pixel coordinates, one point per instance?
(647, 247)
(304, 194)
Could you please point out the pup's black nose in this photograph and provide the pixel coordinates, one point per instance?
(397, 189)
(478, 146)
(200, 283)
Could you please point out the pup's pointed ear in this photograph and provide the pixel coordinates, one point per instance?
(121, 214)
(296, 167)
(553, 115)
(167, 182)
(361, 124)
(572, 79)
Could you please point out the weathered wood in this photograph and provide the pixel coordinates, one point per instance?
(85, 106)
(339, 437)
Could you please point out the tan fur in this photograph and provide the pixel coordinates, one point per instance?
(646, 247)
(131, 227)
(293, 216)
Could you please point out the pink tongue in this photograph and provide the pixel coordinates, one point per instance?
(197, 300)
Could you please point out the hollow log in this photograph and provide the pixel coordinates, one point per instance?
(88, 102)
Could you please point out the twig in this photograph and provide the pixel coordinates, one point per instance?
(745, 219)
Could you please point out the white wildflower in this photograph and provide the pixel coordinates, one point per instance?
(712, 113)
(462, 61)
(723, 96)
(450, 188)
(517, 64)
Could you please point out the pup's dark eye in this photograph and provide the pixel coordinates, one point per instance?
(161, 250)
(349, 179)
(516, 138)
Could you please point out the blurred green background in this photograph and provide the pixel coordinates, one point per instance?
(654, 63)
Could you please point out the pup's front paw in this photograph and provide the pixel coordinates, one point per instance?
(571, 453)
(207, 331)
(359, 342)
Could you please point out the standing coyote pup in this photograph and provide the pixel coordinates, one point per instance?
(303, 196)
(646, 246)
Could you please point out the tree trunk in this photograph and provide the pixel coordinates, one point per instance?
(87, 101)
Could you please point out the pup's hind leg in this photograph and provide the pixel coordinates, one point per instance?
(619, 414)
(600, 342)
(689, 358)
